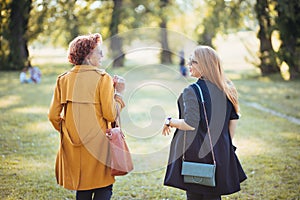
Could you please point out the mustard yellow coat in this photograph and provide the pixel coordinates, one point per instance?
(82, 108)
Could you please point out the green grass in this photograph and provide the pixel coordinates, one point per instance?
(268, 146)
(271, 92)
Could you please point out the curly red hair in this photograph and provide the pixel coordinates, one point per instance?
(81, 46)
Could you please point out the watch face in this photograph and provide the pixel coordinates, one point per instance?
(168, 121)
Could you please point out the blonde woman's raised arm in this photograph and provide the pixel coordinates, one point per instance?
(176, 123)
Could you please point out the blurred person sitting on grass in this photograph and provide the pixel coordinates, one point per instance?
(84, 105)
(35, 74)
(23, 76)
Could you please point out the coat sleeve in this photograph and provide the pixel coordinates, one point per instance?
(107, 101)
(56, 107)
(191, 107)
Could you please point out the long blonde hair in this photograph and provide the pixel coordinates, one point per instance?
(209, 66)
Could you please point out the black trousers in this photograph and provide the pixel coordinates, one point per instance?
(196, 196)
(104, 193)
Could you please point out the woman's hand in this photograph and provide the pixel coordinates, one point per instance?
(119, 84)
(166, 130)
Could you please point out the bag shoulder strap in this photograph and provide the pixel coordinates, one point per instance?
(206, 120)
(118, 117)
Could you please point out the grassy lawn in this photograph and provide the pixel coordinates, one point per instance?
(268, 146)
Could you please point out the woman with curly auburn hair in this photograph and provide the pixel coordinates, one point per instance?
(84, 104)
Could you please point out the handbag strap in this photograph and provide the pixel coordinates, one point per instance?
(208, 129)
(118, 118)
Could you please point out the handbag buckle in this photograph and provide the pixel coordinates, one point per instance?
(197, 179)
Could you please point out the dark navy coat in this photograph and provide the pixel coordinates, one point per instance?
(229, 173)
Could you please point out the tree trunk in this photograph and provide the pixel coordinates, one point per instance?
(116, 42)
(166, 54)
(212, 21)
(3, 29)
(72, 20)
(18, 22)
(206, 37)
(288, 20)
(268, 64)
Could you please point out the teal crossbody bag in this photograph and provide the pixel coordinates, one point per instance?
(199, 173)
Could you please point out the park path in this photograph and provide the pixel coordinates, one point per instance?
(272, 112)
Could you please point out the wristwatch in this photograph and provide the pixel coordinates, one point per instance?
(168, 120)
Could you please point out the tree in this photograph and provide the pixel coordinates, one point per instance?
(135, 14)
(4, 46)
(15, 35)
(166, 55)
(65, 19)
(211, 22)
(220, 17)
(267, 55)
(37, 25)
(116, 41)
(155, 13)
(288, 23)
(21, 22)
(71, 18)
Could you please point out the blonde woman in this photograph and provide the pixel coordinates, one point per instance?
(84, 103)
(222, 109)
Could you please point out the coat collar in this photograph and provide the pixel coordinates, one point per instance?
(200, 80)
(83, 68)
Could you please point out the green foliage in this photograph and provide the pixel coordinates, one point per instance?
(37, 21)
(221, 17)
(288, 21)
(57, 22)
